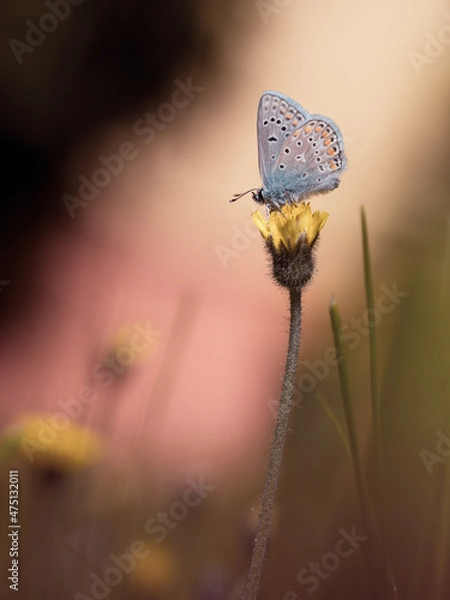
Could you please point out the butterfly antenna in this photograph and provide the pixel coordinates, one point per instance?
(237, 196)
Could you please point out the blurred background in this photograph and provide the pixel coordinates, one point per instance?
(142, 341)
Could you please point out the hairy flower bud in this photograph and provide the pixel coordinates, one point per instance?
(290, 235)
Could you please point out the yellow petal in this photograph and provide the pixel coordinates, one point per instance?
(261, 224)
(287, 226)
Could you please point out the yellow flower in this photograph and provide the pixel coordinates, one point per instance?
(54, 442)
(291, 234)
(156, 572)
(133, 345)
(290, 225)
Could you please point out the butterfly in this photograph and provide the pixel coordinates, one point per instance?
(299, 154)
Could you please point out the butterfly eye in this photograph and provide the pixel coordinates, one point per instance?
(281, 166)
(265, 122)
(299, 143)
(316, 152)
(287, 151)
(310, 139)
(272, 119)
(314, 145)
(319, 179)
(321, 168)
(303, 175)
(318, 159)
(278, 121)
(284, 128)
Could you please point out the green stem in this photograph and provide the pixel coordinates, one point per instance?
(334, 420)
(336, 324)
(376, 408)
(440, 550)
(375, 397)
(277, 448)
(361, 486)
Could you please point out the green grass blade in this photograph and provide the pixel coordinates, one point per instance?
(373, 555)
(376, 402)
(336, 324)
(334, 420)
(375, 397)
(439, 550)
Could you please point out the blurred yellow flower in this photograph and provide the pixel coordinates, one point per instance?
(54, 442)
(134, 344)
(156, 572)
(292, 224)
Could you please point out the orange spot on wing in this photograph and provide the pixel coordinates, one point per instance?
(325, 133)
(333, 166)
(308, 129)
(331, 152)
(318, 128)
(327, 142)
(288, 117)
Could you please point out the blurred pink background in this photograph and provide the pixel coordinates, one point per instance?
(151, 246)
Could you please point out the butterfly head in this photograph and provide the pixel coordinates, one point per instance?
(258, 196)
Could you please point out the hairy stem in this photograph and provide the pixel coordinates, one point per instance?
(277, 448)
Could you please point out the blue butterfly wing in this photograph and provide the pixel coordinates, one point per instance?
(311, 159)
(278, 117)
(299, 154)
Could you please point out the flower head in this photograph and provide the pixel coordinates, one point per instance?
(57, 445)
(132, 345)
(291, 225)
(290, 235)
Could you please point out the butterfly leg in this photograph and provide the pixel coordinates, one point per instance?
(271, 206)
(274, 205)
(290, 199)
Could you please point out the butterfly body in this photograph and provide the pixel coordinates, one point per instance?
(299, 154)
